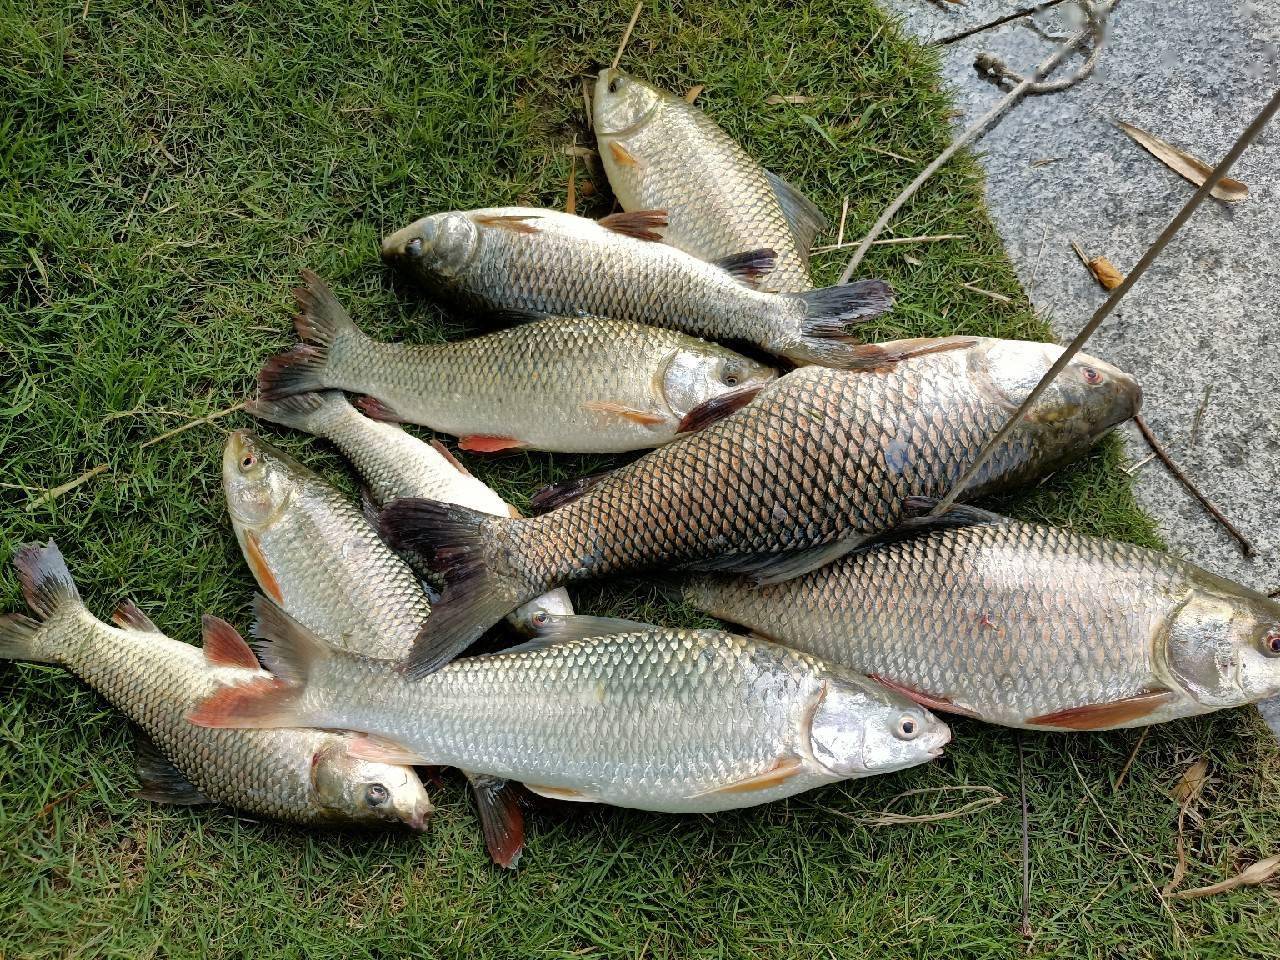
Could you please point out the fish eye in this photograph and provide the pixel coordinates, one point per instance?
(731, 375)
(539, 619)
(1271, 642)
(1091, 376)
(414, 247)
(613, 85)
(376, 795)
(248, 462)
(908, 727)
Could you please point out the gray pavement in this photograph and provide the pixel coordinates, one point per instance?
(1201, 329)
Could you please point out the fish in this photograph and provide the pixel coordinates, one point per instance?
(661, 152)
(817, 462)
(515, 261)
(652, 718)
(309, 556)
(313, 551)
(561, 384)
(1022, 625)
(294, 775)
(396, 464)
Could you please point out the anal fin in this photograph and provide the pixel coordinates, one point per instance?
(483, 443)
(501, 819)
(159, 780)
(563, 793)
(1104, 716)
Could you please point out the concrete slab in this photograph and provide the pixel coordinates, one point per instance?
(1201, 328)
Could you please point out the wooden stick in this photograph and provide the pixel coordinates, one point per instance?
(626, 35)
(1247, 137)
(1210, 507)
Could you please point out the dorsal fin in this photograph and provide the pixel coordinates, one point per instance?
(558, 494)
(564, 629)
(640, 224)
(958, 515)
(223, 645)
(748, 266)
(129, 617)
(802, 214)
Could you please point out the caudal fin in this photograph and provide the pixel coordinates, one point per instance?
(309, 412)
(453, 541)
(322, 323)
(48, 588)
(831, 314)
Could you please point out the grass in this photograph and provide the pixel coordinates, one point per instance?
(166, 170)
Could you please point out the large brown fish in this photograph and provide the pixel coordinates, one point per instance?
(535, 261)
(305, 776)
(564, 384)
(818, 462)
(1022, 625)
(663, 153)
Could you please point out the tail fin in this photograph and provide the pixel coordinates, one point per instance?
(20, 639)
(454, 542)
(321, 323)
(308, 412)
(289, 651)
(46, 581)
(831, 313)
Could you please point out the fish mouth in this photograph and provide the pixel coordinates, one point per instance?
(418, 822)
(397, 245)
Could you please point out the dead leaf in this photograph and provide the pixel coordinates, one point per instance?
(1183, 163)
(1103, 270)
(1191, 784)
(778, 99)
(691, 94)
(1260, 872)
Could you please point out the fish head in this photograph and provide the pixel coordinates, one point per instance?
(538, 612)
(440, 244)
(367, 791)
(857, 730)
(1223, 644)
(621, 104)
(1088, 398)
(259, 481)
(700, 372)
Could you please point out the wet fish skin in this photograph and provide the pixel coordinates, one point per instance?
(647, 717)
(1024, 625)
(529, 260)
(312, 550)
(303, 776)
(820, 460)
(661, 152)
(563, 384)
(395, 464)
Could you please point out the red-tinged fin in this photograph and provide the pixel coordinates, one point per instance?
(223, 645)
(880, 356)
(1104, 716)
(453, 540)
(749, 265)
(127, 616)
(638, 224)
(375, 409)
(622, 155)
(558, 494)
(382, 750)
(481, 443)
(717, 408)
(257, 561)
(46, 582)
(627, 413)
(516, 224)
(501, 819)
(259, 703)
(453, 461)
(782, 770)
(933, 702)
(300, 369)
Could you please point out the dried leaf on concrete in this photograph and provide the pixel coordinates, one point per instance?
(1183, 163)
(1103, 270)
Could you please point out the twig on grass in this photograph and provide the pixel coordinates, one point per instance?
(889, 818)
(1026, 846)
(54, 493)
(987, 293)
(1133, 755)
(1210, 507)
(894, 241)
(1247, 137)
(626, 35)
(1028, 86)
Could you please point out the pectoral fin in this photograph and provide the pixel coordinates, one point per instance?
(627, 413)
(563, 793)
(483, 443)
(1104, 716)
(159, 780)
(932, 701)
(257, 561)
(383, 750)
(783, 770)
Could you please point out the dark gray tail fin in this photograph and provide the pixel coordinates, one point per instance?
(832, 314)
(321, 324)
(48, 588)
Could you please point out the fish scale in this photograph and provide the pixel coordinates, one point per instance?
(1009, 621)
